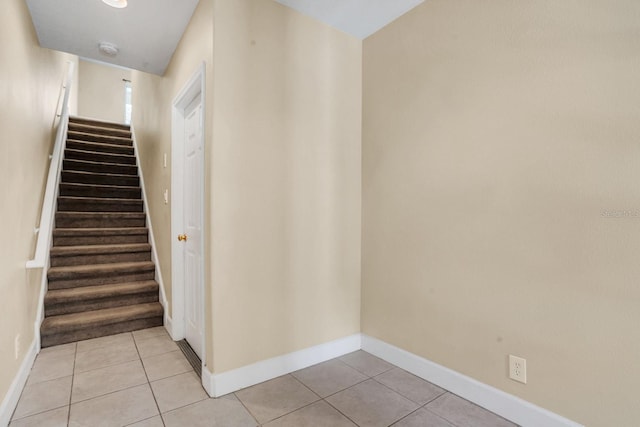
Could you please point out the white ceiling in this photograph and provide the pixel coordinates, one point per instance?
(360, 18)
(148, 31)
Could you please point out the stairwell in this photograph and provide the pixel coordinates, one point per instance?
(101, 277)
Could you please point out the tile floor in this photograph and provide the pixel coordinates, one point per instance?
(142, 379)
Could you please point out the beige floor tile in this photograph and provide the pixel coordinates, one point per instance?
(154, 346)
(43, 397)
(150, 332)
(56, 418)
(366, 363)
(329, 377)
(51, 365)
(410, 386)
(319, 414)
(274, 398)
(370, 404)
(90, 384)
(60, 349)
(101, 357)
(166, 365)
(177, 391)
(229, 396)
(149, 422)
(210, 413)
(463, 413)
(116, 409)
(423, 418)
(107, 341)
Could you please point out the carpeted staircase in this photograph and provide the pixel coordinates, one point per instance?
(101, 279)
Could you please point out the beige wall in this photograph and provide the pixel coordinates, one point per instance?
(286, 182)
(152, 100)
(30, 87)
(282, 151)
(101, 91)
(495, 136)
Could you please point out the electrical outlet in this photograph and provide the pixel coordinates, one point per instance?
(518, 369)
(16, 346)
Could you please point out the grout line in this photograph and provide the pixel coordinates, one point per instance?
(73, 376)
(440, 416)
(409, 414)
(36, 413)
(436, 398)
(347, 388)
(147, 377)
(340, 412)
(245, 407)
(324, 399)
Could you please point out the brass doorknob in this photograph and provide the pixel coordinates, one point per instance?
(182, 237)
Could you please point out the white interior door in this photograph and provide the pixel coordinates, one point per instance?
(192, 191)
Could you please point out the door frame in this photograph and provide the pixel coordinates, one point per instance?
(195, 87)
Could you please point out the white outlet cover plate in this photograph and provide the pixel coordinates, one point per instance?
(518, 369)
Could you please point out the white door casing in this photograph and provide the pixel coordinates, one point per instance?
(187, 214)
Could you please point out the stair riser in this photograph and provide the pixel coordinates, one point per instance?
(99, 157)
(74, 165)
(77, 136)
(90, 122)
(99, 240)
(77, 127)
(100, 303)
(92, 205)
(97, 179)
(101, 148)
(98, 222)
(62, 261)
(105, 279)
(105, 192)
(100, 331)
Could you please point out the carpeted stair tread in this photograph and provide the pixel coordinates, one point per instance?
(99, 236)
(100, 219)
(99, 249)
(99, 147)
(62, 256)
(102, 231)
(96, 178)
(59, 296)
(99, 167)
(84, 136)
(101, 130)
(89, 319)
(100, 157)
(80, 271)
(102, 191)
(98, 204)
(98, 123)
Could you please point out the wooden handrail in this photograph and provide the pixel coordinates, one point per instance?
(44, 230)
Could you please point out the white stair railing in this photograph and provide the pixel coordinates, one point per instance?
(43, 245)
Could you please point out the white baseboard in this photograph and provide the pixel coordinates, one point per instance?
(218, 385)
(168, 325)
(10, 401)
(506, 405)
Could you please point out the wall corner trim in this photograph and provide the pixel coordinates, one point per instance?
(218, 385)
(504, 404)
(10, 401)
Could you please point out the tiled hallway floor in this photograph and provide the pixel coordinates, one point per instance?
(142, 379)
